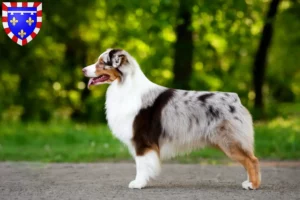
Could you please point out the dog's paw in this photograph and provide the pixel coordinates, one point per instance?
(247, 185)
(137, 184)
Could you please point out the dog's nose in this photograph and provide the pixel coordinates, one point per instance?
(84, 70)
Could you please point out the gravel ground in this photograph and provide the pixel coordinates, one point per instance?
(20, 180)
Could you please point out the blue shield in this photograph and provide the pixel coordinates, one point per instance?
(22, 20)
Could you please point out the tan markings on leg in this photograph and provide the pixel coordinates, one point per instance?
(255, 163)
(250, 163)
(143, 149)
(226, 142)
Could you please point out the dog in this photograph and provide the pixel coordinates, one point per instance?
(158, 123)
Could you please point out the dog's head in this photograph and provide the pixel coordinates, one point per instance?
(109, 67)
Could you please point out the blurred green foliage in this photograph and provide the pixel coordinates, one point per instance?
(43, 80)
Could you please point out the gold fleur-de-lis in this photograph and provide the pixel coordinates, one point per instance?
(22, 33)
(29, 21)
(14, 21)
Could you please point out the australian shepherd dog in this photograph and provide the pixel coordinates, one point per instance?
(157, 123)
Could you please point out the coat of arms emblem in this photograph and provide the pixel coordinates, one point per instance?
(22, 21)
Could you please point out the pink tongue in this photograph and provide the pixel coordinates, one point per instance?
(97, 80)
(90, 82)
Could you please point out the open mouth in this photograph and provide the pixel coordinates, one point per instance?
(98, 80)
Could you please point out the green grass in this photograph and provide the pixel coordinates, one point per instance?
(278, 139)
(65, 142)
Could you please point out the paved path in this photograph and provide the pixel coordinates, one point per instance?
(110, 180)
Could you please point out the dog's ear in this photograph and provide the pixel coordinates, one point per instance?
(118, 58)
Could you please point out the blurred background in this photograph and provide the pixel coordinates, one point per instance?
(250, 47)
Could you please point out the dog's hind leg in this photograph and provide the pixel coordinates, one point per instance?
(147, 167)
(250, 163)
(234, 151)
(254, 179)
(239, 147)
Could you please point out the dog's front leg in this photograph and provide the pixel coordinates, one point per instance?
(147, 167)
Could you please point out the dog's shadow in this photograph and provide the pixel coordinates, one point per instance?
(205, 185)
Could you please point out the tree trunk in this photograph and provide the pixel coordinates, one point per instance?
(76, 55)
(259, 67)
(183, 47)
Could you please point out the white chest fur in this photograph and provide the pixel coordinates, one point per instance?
(122, 105)
(123, 102)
